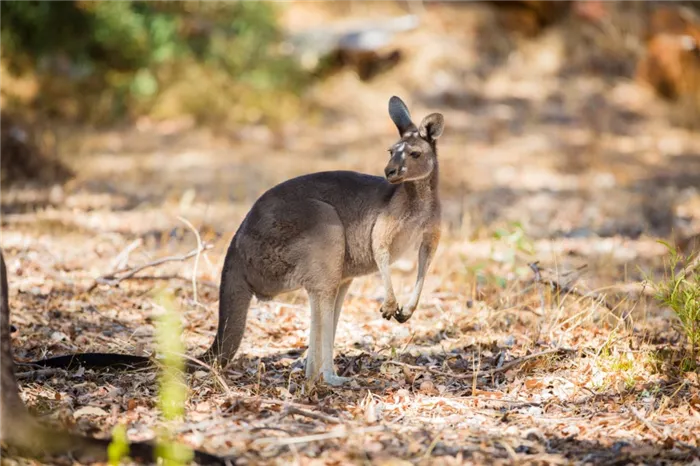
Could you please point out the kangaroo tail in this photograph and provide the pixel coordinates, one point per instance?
(234, 299)
(116, 361)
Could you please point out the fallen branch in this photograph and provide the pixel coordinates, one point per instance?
(311, 415)
(646, 422)
(206, 283)
(468, 375)
(322, 436)
(566, 289)
(657, 433)
(38, 373)
(114, 278)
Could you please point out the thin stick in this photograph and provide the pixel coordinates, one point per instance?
(196, 258)
(475, 370)
(658, 433)
(534, 266)
(311, 415)
(566, 289)
(323, 436)
(206, 283)
(123, 257)
(468, 375)
(111, 279)
(432, 446)
(216, 373)
(38, 373)
(646, 422)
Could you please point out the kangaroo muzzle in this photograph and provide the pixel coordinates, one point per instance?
(395, 170)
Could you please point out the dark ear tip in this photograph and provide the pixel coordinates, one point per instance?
(396, 101)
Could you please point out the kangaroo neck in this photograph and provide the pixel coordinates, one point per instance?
(422, 191)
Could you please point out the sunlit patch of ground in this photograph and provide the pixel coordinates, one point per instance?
(448, 386)
(579, 173)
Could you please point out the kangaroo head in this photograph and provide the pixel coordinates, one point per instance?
(414, 156)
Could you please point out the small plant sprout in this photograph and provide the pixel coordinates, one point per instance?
(172, 387)
(518, 245)
(119, 447)
(680, 291)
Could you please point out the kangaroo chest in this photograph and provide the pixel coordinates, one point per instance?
(407, 235)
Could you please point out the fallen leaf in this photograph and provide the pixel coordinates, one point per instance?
(90, 411)
(533, 383)
(203, 407)
(427, 387)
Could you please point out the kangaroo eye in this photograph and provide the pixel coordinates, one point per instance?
(415, 154)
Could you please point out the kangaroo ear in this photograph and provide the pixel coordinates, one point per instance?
(431, 127)
(400, 116)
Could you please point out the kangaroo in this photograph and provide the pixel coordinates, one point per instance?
(24, 435)
(320, 231)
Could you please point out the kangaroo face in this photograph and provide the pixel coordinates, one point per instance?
(413, 157)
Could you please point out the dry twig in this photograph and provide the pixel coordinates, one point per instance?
(333, 434)
(311, 415)
(196, 258)
(566, 289)
(114, 278)
(646, 422)
(467, 375)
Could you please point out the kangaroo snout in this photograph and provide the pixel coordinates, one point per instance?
(394, 173)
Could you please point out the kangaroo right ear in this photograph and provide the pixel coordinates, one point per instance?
(431, 127)
(400, 116)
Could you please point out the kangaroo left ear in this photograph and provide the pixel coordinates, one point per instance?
(431, 127)
(400, 116)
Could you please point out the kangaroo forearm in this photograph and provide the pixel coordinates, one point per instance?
(383, 264)
(425, 257)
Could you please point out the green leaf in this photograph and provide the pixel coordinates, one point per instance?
(118, 448)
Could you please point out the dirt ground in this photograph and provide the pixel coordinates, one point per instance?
(581, 173)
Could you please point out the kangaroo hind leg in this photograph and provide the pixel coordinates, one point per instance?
(342, 291)
(320, 357)
(319, 254)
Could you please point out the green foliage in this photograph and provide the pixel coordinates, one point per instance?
(519, 248)
(130, 52)
(173, 388)
(680, 291)
(118, 449)
(172, 391)
(516, 238)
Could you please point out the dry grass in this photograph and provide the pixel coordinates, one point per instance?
(438, 389)
(589, 167)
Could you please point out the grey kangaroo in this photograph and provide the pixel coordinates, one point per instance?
(319, 231)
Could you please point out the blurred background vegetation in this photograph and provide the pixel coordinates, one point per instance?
(103, 61)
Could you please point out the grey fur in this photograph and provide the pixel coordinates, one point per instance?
(319, 231)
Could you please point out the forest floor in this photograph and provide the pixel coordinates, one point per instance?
(582, 174)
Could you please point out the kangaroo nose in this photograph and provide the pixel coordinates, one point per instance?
(389, 171)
